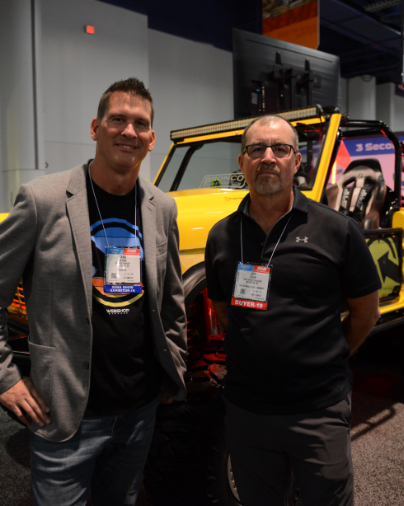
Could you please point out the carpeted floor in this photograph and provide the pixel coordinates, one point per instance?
(378, 441)
(377, 444)
(15, 489)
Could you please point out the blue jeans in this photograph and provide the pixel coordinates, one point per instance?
(105, 457)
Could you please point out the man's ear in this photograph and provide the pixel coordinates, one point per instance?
(240, 161)
(95, 124)
(298, 161)
(153, 141)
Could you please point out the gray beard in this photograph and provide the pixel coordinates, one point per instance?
(267, 185)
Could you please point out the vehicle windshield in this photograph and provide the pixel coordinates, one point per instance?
(213, 164)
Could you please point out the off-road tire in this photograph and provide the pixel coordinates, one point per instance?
(188, 459)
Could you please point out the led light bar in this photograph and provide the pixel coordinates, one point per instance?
(304, 113)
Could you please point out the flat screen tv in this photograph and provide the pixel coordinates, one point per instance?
(271, 76)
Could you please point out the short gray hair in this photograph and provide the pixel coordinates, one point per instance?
(267, 119)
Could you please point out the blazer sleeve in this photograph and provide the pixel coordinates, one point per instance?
(17, 243)
(173, 314)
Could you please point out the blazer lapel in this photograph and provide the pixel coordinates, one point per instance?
(148, 210)
(77, 210)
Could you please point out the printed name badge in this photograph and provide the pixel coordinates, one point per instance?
(251, 286)
(122, 270)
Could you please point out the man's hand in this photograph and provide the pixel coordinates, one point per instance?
(221, 311)
(25, 402)
(165, 397)
(363, 315)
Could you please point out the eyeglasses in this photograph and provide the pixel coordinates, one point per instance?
(279, 150)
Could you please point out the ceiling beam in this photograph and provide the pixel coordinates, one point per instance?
(359, 38)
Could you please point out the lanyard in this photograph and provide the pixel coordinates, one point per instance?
(276, 245)
(99, 212)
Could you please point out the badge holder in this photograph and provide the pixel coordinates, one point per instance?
(251, 283)
(123, 270)
(251, 286)
(123, 273)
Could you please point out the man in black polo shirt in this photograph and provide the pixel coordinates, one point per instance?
(279, 271)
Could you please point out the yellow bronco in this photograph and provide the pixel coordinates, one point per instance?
(188, 461)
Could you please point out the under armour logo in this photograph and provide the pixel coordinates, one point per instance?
(304, 239)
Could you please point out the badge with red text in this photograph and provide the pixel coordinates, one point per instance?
(251, 286)
(122, 270)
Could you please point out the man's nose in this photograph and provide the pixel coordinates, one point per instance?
(268, 156)
(130, 130)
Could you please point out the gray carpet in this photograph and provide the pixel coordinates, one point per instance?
(377, 445)
(15, 489)
(378, 440)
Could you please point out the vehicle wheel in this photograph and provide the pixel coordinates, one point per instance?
(188, 463)
(188, 458)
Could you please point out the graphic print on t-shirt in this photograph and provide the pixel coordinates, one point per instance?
(120, 233)
(124, 372)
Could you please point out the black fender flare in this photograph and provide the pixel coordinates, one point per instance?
(194, 282)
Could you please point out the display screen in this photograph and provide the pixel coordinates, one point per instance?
(271, 76)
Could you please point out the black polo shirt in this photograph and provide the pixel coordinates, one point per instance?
(290, 358)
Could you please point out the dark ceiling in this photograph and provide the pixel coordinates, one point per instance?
(366, 35)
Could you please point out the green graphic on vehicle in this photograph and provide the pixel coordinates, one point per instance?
(215, 182)
(385, 251)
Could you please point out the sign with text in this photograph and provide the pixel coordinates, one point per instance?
(370, 147)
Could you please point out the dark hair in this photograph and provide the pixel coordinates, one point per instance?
(132, 86)
(268, 118)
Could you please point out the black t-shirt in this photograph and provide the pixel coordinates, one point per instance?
(124, 372)
(290, 358)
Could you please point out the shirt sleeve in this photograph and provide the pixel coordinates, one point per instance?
(173, 316)
(17, 241)
(359, 272)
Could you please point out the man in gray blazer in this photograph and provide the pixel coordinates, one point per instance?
(97, 248)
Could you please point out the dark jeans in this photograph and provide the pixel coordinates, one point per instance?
(106, 456)
(316, 446)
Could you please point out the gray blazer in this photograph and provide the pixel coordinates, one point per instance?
(46, 240)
